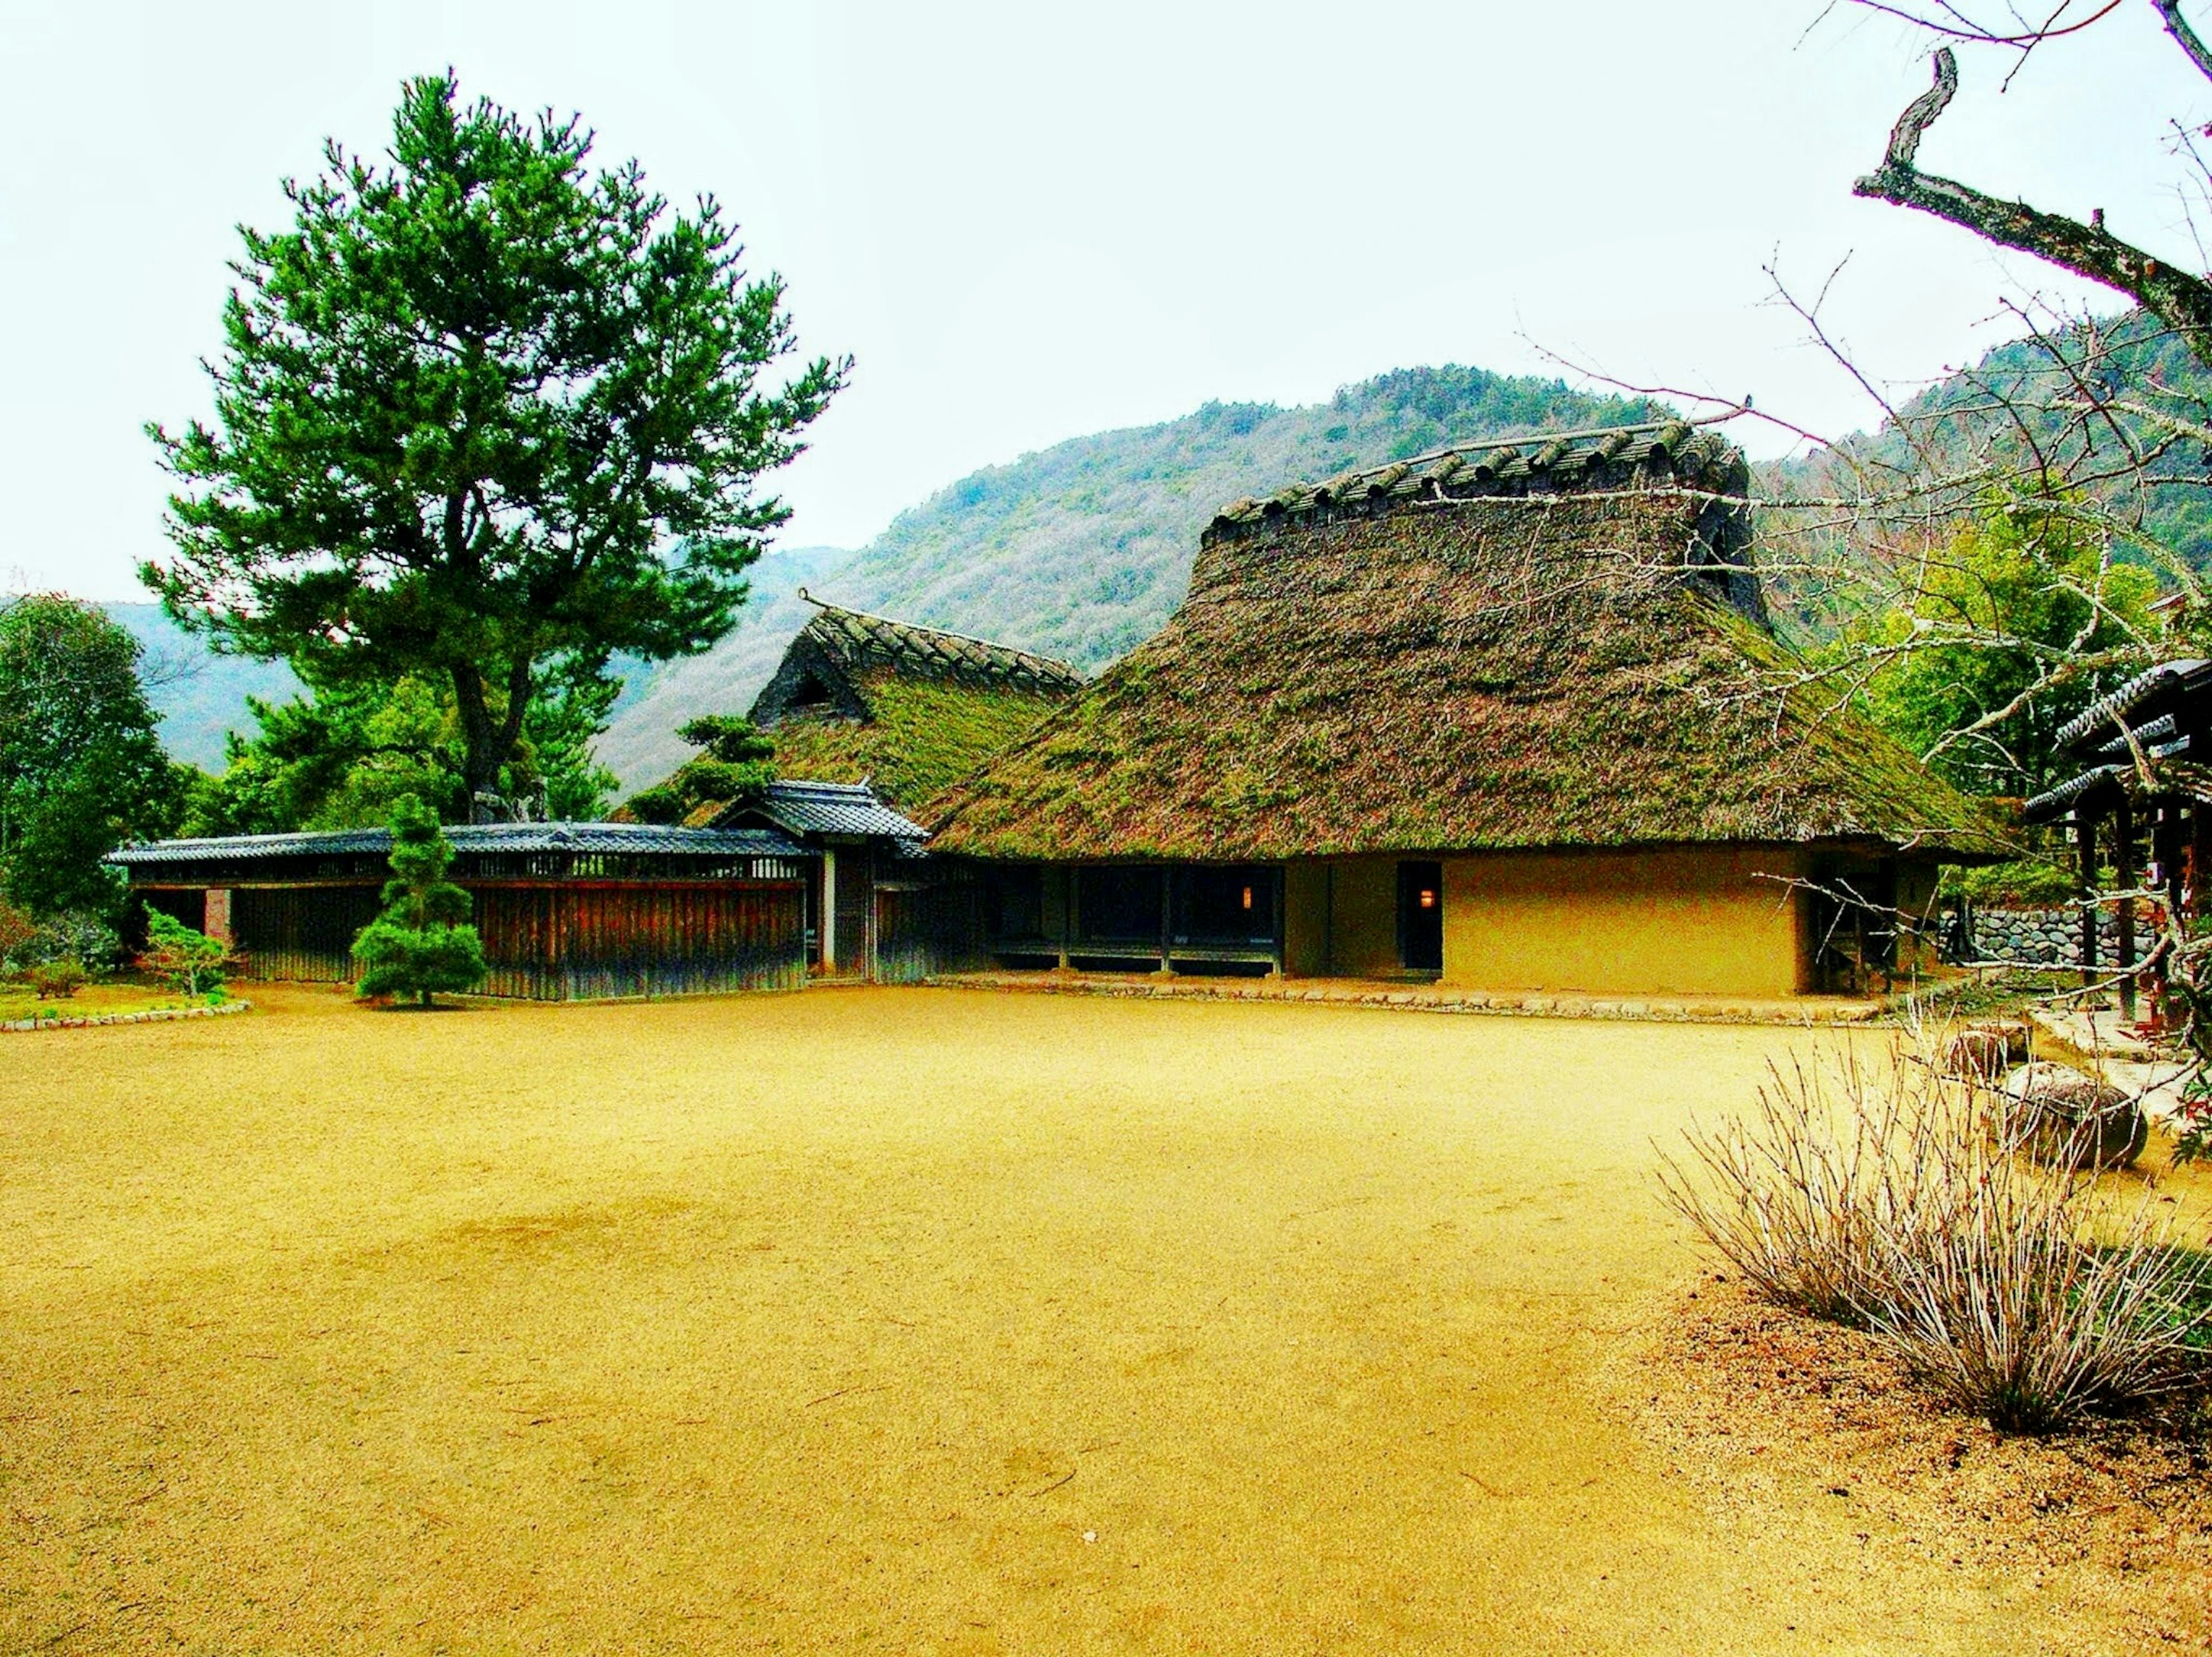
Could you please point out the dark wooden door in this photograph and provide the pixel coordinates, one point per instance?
(1421, 917)
(855, 911)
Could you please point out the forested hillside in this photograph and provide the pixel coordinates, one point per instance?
(1083, 549)
(2017, 390)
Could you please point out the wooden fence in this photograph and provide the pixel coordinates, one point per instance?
(299, 934)
(571, 941)
(580, 941)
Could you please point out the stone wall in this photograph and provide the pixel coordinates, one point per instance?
(2050, 937)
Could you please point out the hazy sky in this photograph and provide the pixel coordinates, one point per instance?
(1032, 220)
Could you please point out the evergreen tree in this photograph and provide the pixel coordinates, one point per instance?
(421, 943)
(81, 767)
(488, 417)
(739, 764)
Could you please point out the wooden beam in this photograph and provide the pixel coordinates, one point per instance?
(2124, 870)
(2085, 837)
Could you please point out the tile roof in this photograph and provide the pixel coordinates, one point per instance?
(2054, 804)
(481, 837)
(1662, 453)
(859, 640)
(2145, 690)
(830, 809)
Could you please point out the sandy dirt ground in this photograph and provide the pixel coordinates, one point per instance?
(892, 1321)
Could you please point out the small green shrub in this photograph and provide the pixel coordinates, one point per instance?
(188, 961)
(421, 943)
(2031, 884)
(71, 935)
(56, 980)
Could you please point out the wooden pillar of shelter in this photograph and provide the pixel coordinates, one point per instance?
(2085, 836)
(1282, 918)
(2166, 852)
(829, 940)
(2200, 849)
(1068, 886)
(2124, 870)
(1167, 920)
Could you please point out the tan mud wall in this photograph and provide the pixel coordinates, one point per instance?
(1363, 917)
(1647, 922)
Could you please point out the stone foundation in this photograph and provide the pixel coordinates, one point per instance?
(2048, 937)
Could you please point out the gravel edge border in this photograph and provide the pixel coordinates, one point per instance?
(1615, 1009)
(156, 1015)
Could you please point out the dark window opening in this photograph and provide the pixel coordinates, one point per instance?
(1225, 906)
(1421, 917)
(1119, 905)
(812, 695)
(1013, 903)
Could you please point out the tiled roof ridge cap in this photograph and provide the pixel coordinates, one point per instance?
(1535, 465)
(1014, 650)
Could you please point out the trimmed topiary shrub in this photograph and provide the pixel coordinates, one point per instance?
(421, 944)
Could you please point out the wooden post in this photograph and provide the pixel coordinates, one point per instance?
(2085, 836)
(1069, 885)
(2200, 848)
(829, 908)
(1282, 914)
(2124, 870)
(1167, 917)
(2166, 845)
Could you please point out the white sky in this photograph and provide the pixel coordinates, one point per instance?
(1033, 221)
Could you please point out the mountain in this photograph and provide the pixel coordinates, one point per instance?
(1082, 551)
(199, 695)
(641, 745)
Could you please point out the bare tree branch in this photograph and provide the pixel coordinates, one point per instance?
(2169, 12)
(2183, 300)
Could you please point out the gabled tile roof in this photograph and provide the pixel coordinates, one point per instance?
(827, 808)
(859, 641)
(1664, 454)
(2160, 686)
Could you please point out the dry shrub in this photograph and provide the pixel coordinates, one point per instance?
(1892, 1197)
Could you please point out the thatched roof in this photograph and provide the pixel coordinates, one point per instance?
(1479, 656)
(865, 698)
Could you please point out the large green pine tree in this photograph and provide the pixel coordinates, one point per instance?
(486, 417)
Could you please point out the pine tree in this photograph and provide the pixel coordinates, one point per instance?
(421, 943)
(740, 763)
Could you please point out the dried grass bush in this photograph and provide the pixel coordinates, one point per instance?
(1886, 1194)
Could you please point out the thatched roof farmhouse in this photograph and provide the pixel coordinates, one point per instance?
(1523, 693)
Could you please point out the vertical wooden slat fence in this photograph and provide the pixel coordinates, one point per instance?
(556, 942)
(584, 941)
(299, 934)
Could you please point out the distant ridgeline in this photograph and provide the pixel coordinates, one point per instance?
(1082, 551)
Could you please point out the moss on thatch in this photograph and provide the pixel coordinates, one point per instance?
(1458, 675)
(862, 698)
(919, 737)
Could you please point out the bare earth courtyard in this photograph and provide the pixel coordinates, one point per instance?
(883, 1321)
